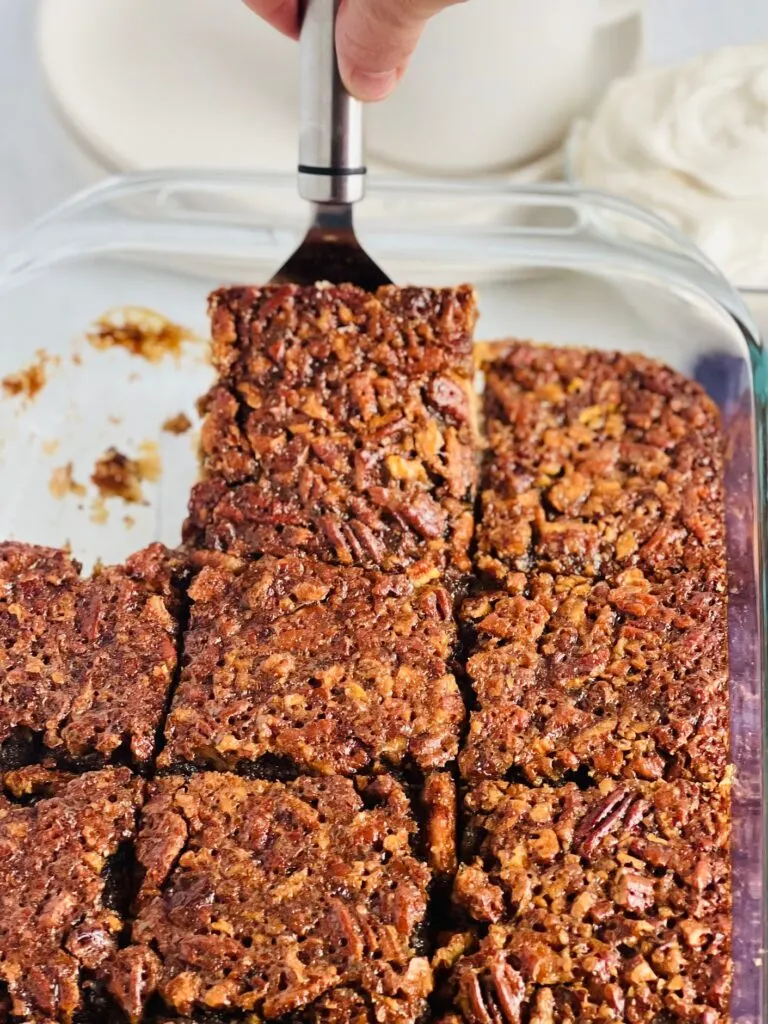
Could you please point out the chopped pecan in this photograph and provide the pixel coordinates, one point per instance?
(473, 890)
(634, 891)
(333, 531)
(91, 944)
(544, 1007)
(450, 398)
(368, 541)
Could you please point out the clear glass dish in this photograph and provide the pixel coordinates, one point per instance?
(550, 263)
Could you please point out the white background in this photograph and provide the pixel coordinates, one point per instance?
(35, 170)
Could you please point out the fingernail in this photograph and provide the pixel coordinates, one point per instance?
(370, 86)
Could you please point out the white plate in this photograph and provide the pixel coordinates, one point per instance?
(142, 84)
(152, 84)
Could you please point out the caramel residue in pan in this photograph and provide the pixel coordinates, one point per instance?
(141, 332)
(28, 382)
(99, 514)
(62, 483)
(116, 475)
(150, 465)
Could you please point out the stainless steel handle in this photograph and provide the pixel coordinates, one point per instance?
(331, 161)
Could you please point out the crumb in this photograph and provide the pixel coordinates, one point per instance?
(129, 522)
(77, 359)
(178, 424)
(150, 466)
(31, 380)
(63, 483)
(99, 513)
(50, 445)
(142, 332)
(118, 476)
(116, 420)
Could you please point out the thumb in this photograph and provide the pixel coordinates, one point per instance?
(376, 38)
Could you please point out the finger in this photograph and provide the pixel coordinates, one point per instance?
(375, 40)
(282, 14)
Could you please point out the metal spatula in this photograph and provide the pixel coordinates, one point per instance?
(331, 163)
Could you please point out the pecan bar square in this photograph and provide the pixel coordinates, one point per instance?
(598, 462)
(283, 900)
(85, 664)
(340, 426)
(61, 889)
(577, 678)
(312, 667)
(608, 904)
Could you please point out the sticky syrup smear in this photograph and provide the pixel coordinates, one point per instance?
(142, 332)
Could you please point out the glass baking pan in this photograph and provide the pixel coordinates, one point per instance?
(553, 264)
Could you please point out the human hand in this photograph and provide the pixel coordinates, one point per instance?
(374, 38)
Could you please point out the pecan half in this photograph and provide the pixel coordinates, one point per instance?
(509, 988)
(439, 798)
(497, 998)
(621, 806)
(471, 999)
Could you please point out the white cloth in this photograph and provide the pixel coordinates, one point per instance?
(691, 142)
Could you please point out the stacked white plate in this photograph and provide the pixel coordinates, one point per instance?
(143, 85)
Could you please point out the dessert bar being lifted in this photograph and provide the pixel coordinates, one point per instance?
(340, 426)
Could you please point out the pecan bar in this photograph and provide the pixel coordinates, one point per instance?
(85, 664)
(598, 462)
(609, 679)
(59, 910)
(315, 667)
(609, 904)
(277, 899)
(340, 426)
(339, 1006)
